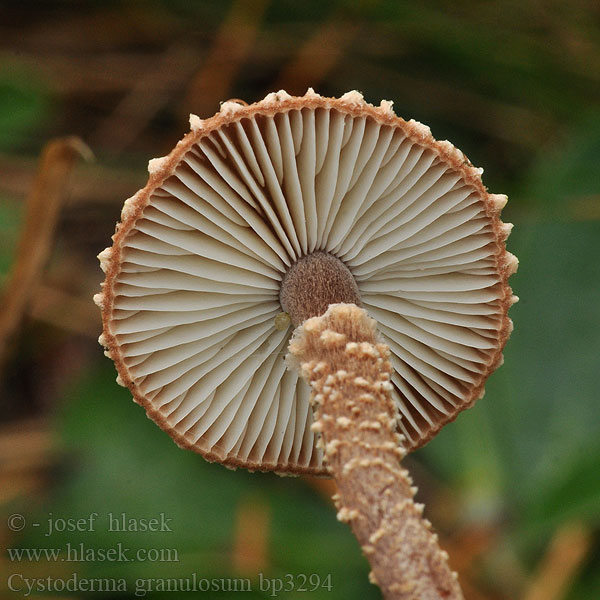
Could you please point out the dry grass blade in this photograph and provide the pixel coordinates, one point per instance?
(559, 566)
(231, 47)
(41, 216)
(93, 183)
(65, 311)
(150, 92)
(26, 451)
(317, 57)
(326, 488)
(250, 547)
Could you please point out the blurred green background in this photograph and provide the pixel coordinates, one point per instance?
(513, 486)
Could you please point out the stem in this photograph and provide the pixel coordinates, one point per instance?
(348, 368)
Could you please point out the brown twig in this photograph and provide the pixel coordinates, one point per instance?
(347, 366)
(41, 216)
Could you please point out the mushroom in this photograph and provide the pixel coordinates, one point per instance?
(267, 214)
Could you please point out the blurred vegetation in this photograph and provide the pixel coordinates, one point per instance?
(512, 486)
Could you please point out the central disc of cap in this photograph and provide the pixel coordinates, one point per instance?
(313, 283)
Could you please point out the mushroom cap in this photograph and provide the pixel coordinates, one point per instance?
(190, 304)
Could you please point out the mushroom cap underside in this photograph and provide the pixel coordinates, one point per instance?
(190, 303)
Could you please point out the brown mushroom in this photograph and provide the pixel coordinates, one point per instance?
(298, 203)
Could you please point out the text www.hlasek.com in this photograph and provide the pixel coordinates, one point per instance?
(81, 553)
